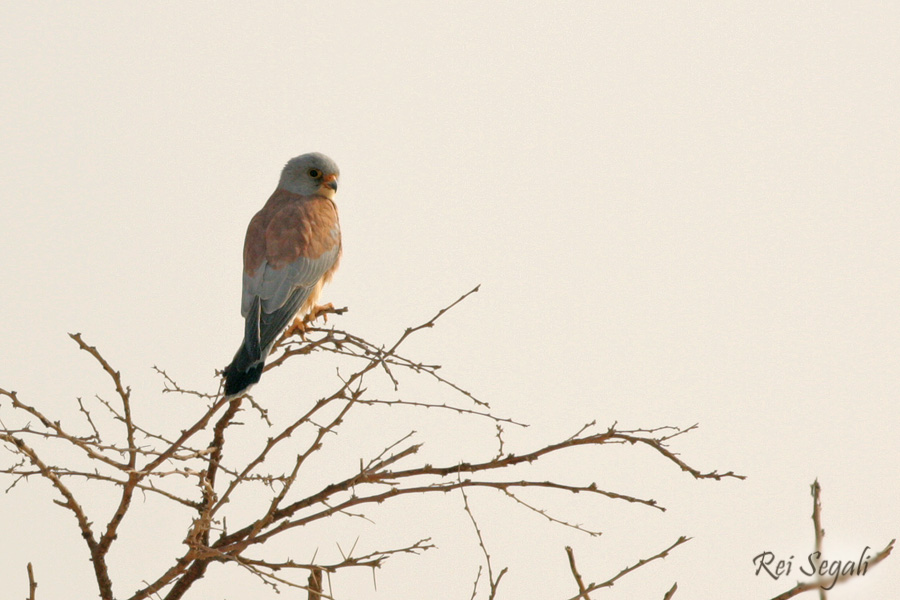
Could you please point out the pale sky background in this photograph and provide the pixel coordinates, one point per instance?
(679, 213)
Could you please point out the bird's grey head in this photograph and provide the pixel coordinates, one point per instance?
(310, 174)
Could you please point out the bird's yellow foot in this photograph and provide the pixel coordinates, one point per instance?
(318, 311)
(298, 327)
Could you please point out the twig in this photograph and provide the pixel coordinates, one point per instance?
(54, 426)
(123, 392)
(552, 519)
(475, 585)
(87, 416)
(171, 386)
(494, 583)
(609, 436)
(457, 409)
(818, 532)
(609, 582)
(582, 591)
(32, 584)
(671, 593)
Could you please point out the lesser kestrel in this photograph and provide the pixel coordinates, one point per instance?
(291, 250)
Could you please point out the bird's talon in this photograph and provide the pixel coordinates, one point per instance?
(319, 311)
(298, 327)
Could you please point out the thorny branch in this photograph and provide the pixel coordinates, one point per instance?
(199, 474)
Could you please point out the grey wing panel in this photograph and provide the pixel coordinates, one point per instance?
(275, 286)
(250, 285)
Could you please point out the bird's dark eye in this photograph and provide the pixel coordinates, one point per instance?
(315, 173)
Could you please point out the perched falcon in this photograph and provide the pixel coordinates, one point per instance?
(292, 249)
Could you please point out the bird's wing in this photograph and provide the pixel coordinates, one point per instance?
(277, 294)
(300, 245)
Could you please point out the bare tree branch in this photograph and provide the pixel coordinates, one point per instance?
(192, 474)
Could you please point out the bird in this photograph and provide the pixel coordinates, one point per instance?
(291, 250)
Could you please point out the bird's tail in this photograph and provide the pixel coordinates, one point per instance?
(244, 371)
